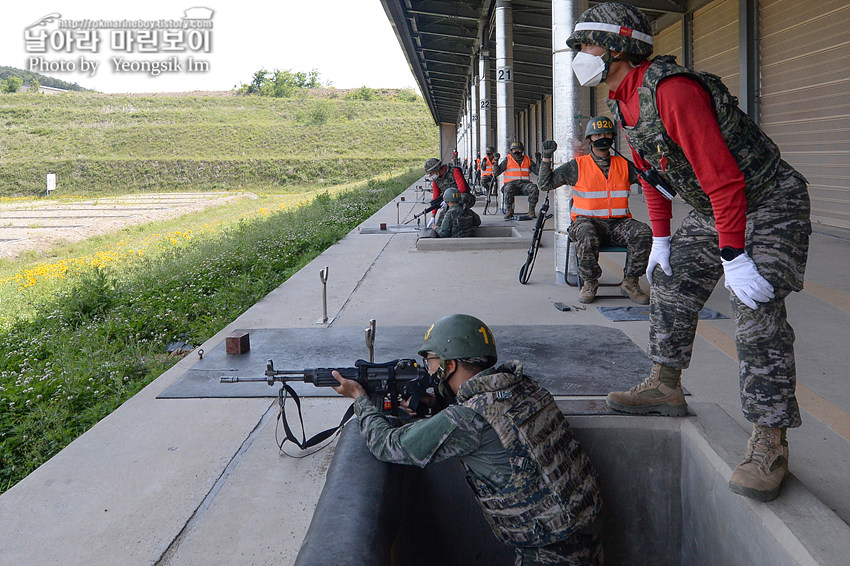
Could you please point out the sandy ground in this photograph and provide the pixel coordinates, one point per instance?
(38, 225)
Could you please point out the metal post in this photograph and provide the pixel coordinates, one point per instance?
(370, 340)
(570, 110)
(748, 51)
(323, 277)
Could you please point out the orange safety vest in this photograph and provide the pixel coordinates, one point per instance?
(478, 164)
(598, 197)
(488, 166)
(518, 171)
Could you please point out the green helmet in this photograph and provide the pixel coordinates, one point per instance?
(451, 195)
(517, 144)
(615, 26)
(432, 165)
(599, 125)
(460, 336)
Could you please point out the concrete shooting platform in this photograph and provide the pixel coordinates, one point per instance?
(198, 479)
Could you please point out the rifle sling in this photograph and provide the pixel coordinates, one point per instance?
(305, 443)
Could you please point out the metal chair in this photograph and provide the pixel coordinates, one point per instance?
(574, 279)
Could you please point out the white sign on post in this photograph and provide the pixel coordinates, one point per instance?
(51, 182)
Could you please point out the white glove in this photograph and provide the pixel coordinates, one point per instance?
(659, 255)
(443, 205)
(743, 279)
(431, 222)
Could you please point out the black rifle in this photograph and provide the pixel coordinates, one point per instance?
(525, 270)
(433, 205)
(653, 177)
(491, 188)
(385, 383)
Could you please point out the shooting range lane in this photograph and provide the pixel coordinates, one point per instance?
(598, 359)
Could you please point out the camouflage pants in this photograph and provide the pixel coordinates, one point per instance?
(589, 234)
(578, 550)
(521, 188)
(777, 239)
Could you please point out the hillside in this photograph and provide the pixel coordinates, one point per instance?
(43, 80)
(107, 144)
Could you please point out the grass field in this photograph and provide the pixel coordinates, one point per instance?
(108, 144)
(85, 326)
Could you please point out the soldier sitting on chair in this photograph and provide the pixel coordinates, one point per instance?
(600, 211)
(518, 168)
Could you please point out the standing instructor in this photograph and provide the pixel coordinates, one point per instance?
(750, 222)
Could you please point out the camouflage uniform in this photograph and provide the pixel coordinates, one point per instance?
(517, 187)
(777, 239)
(447, 181)
(535, 498)
(591, 233)
(458, 222)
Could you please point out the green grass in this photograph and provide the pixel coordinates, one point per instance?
(107, 144)
(74, 352)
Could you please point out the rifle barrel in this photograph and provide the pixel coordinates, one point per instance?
(237, 379)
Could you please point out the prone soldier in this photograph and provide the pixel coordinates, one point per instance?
(533, 480)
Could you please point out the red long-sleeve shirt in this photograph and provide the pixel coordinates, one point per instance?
(460, 183)
(688, 116)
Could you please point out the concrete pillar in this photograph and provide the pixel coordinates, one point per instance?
(474, 135)
(448, 141)
(484, 100)
(504, 76)
(570, 110)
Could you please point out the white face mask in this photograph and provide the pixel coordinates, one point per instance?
(588, 68)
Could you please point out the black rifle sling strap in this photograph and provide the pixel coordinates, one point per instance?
(305, 443)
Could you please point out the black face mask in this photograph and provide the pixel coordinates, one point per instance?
(517, 155)
(603, 143)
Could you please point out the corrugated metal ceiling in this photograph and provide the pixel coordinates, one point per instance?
(441, 41)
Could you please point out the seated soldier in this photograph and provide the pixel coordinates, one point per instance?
(533, 480)
(518, 168)
(488, 165)
(600, 212)
(459, 221)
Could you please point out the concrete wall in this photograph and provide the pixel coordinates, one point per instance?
(664, 485)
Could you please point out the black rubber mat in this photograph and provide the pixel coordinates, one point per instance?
(575, 360)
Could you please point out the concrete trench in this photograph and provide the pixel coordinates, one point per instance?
(664, 486)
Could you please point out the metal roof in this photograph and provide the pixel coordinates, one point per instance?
(442, 40)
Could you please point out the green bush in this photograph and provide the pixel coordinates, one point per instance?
(363, 93)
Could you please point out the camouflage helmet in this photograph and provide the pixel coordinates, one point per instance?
(599, 125)
(615, 26)
(451, 195)
(517, 144)
(458, 337)
(432, 165)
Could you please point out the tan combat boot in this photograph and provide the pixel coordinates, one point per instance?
(760, 473)
(531, 213)
(631, 289)
(588, 291)
(653, 395)
(509, 213)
